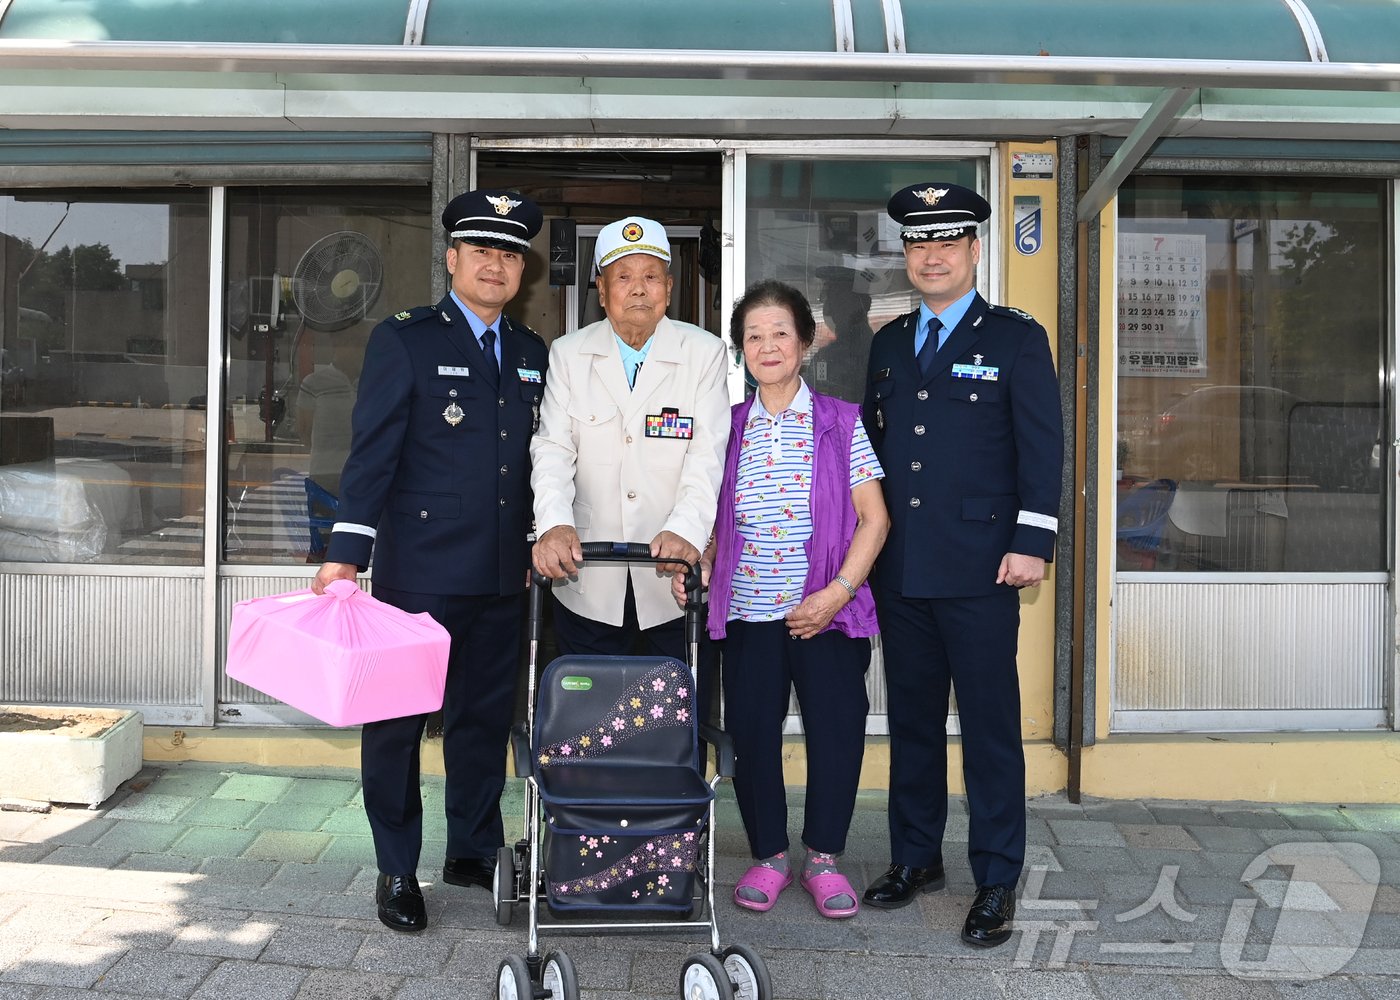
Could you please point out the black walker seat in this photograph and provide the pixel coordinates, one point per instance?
(618, 770)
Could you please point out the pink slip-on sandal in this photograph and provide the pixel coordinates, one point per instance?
(766, 881)
(826, 887)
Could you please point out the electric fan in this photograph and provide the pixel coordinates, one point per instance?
(337, 280)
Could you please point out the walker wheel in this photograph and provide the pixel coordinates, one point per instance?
(560, 980)
(513, 980)
(503, 890)
(704, 977)
(747, 972)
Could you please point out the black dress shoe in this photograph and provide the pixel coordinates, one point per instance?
(989, 921)
(898, 886)
(470, 871)
(400, 903)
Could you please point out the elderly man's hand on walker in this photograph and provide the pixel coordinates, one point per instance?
(558, 552)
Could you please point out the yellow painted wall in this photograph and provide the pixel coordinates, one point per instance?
(1031, 283)
(1262, 767)
(1290, 767)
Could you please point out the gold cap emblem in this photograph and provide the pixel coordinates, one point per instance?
(931, 196)
(631, 232)
(502, 203)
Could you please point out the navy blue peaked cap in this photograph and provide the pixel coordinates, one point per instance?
(937, 211)
(506, 220)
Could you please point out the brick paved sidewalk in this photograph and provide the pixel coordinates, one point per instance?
(210, 882)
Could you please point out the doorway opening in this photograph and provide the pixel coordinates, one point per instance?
(579, 193)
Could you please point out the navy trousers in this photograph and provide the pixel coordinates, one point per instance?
(969, 642)
(576, 634)
(477, 709)
(763, 664)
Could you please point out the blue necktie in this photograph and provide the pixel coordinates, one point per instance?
(930, 347)
(488, 347)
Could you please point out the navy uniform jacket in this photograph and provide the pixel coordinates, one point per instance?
(446, 509)
(972, 464)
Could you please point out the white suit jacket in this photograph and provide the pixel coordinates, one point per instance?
(595, 467)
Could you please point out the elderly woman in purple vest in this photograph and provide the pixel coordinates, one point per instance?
(801, 519)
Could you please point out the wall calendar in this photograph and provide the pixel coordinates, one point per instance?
(1161, 305)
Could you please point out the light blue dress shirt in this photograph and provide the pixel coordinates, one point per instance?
(632, 358)
(949, 317)
(479, 327)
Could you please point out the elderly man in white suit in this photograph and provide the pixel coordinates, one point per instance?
(630, 447)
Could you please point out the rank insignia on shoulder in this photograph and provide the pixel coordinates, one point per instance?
(409, 316)
(1013, 311)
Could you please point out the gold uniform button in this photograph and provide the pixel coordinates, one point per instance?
(915, 466)
(631, 494)
(591, 418)
(913, 501)
(918, 428)
(629, 438)
(923, 394)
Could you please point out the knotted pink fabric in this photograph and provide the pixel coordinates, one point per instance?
(343, 657)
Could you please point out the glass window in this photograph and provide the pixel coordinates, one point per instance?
(310, 273)
(820, 225)
(104, 317)
(1250, 353)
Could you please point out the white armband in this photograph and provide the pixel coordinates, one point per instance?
(1038, 520)
(355, 529)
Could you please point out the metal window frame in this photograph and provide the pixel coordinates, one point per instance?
(734, 197)
(1301, 169)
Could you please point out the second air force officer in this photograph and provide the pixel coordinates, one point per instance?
(437, 485)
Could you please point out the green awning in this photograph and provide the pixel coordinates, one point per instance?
(1248, 30)
(1268, 69)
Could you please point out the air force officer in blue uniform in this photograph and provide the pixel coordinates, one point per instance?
(437, 484)
(963, 408)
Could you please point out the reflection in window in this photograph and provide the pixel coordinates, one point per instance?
(1250, 407)
(820, 225)
(104, 321)
(309, 276)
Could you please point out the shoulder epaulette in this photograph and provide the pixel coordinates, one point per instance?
(1013, 312)
(899, 322)
(410, 316)
(520, 327)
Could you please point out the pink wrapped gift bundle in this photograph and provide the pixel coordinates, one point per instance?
(342, 657)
